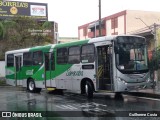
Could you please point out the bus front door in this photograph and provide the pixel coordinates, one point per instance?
(104, 71)
(49, 67)
(18, 65)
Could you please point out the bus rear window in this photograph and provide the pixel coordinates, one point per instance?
(10, 60)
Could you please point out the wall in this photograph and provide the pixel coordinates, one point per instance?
(121, 25)
(81, 35)
(132, 24)
(108, 27)
(2, 68)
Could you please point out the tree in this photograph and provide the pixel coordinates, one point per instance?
(49, 26)
(21, 32)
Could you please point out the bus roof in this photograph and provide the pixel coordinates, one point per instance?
(28, 49)
(17, 51)
(74, 43)
(108, 38)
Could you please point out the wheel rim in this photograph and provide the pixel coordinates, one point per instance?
(86, 87)
(31, 85)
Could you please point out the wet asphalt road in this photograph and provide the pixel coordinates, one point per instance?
(74, 106)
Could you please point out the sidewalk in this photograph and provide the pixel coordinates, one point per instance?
(153, 93)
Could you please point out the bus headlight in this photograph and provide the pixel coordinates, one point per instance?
(122, 80)
(148, 79)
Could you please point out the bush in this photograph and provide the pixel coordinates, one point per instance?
(2, 82)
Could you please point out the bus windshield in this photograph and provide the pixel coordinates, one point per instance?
(131, 54)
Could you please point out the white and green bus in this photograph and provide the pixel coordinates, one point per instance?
(116, 63)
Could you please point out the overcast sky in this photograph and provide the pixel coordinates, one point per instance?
(69, 14)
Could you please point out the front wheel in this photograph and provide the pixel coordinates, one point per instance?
(89, 89)
(118, 96)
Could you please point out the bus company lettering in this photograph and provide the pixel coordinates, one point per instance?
(74, 73)
(14, 4)
(29, 72)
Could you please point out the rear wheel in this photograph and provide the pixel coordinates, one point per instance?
(89, 89)
(31, 87)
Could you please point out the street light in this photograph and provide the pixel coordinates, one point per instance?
(143, 22)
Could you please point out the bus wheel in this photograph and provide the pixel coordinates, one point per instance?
(31, 86)
(118, 96)
(89, 89)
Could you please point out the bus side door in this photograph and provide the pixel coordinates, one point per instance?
(104, 69)
(18, 65)
(49, 68)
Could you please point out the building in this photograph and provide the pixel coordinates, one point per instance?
(123, 22)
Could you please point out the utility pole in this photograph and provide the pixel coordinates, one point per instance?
(99, 17)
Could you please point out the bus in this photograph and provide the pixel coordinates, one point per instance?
(116, 63)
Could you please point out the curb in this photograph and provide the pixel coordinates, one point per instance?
(144, 94)
(12, 88)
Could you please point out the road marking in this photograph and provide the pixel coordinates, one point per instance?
(93, 106)
(149, 98)
(66, 107)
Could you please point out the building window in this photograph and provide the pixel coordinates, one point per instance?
(114, 23)
(62, 55)
(87, 55)
(10, 60)
(37, 58)
(27, 59)
(85, 31)
(74, 55)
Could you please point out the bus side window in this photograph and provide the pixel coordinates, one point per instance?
(87, 54)
(74, 55)
(10, 60)
(52, 62)
(27, 58)
(62, 56)
(37, 58)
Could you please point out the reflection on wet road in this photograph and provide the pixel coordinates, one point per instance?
(73, 106)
